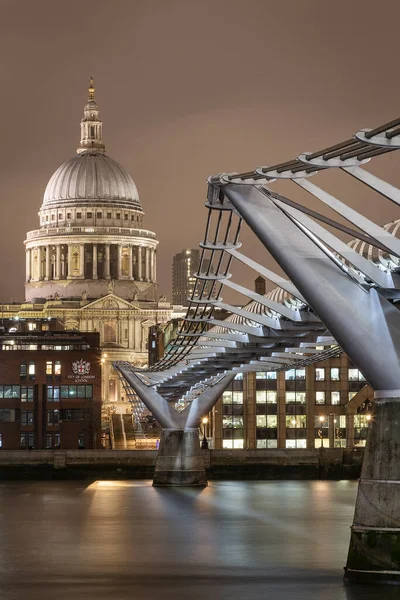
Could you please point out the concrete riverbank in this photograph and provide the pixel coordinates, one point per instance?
(321, 463)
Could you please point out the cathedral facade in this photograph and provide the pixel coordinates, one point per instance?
(91, 264)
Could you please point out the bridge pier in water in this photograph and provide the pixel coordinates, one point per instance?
(374, 552)
(179, 461)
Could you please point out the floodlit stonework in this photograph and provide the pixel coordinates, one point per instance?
(90, 263)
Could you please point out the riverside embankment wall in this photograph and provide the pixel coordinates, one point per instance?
(220, 464)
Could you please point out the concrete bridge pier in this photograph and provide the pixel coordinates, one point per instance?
(179, 461)
(374, 552)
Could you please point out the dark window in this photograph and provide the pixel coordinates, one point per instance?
(109, 215)
(99, 215)
(72, 414)
(89, 215)
(118, 215)
(31, 441)
(22, 440)
(26, 393)
(26, 417)
(68, 215)
(49, 441)
(53, 417)
(53, 393)
(57, 440)
(22, 370)
(126, 216)
(79, 215)
(81, 441)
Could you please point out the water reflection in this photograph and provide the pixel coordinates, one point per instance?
(230, 541)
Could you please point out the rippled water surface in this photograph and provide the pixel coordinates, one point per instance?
(128, 540)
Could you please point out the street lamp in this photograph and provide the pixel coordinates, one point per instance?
(204, 441)
(321, 420)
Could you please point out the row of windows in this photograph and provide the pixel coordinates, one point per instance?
(89, 215)
(68, 414)
(54, 392)
(320, 374)
(23, 392)
(28, 369)
(271, 397)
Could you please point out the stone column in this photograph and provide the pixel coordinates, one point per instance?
(69, 260)
(28, 270)
(139, 258)
(48, 263)
(58, 262)
(119, 261)
(107, 262)
(375, 534)
(94, 271)
(40, 258)
(82, 261)
(146, 264)
(130, 273)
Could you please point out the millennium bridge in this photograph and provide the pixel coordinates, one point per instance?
(335, 297)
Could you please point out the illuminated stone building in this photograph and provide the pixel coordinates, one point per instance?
(91, 264)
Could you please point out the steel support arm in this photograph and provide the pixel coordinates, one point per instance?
(364, 323)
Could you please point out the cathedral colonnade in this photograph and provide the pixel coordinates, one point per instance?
(90, 260)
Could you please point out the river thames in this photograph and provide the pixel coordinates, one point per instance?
(230, 541)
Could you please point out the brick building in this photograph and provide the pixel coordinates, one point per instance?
(50, 389)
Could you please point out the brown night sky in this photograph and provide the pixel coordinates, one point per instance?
(188, 88)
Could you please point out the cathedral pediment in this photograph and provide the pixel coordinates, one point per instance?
(109, 302)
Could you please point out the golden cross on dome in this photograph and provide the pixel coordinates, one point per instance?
(91, 89)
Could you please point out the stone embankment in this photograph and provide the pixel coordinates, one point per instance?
(219, 464)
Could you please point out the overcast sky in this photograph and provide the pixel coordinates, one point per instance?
(187, 88)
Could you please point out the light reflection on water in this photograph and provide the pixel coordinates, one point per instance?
(232, 540)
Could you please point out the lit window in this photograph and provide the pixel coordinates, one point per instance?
(31, 370)
(319, 374)
(261, 421)
(31, 326)
(272, 421)
(271, 374)
(319, 397)
(335, 374)
(239, 377)
(353, 374)
(352, 394)
(296, 444)
(57, 368)
(49, 368)
(296, 421)
(335, 397)
(290, 374)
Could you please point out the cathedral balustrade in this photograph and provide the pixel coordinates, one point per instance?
(90, 230)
